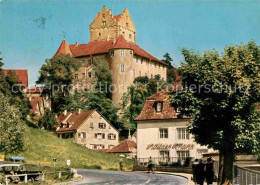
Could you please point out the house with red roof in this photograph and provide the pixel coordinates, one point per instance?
(127, 148)
(22, 75)
(87, 128)
(163, 135)
(113, 39)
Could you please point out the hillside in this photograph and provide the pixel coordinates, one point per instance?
(42, 144)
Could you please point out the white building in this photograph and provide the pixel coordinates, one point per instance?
(162, 135)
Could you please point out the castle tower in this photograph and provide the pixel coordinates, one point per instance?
(106, 26)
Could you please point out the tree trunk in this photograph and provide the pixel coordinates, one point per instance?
(226, 159)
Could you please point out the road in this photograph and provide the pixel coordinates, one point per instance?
(115, 177)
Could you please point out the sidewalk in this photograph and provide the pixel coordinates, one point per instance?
(185, 175)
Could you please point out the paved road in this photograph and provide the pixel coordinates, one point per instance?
(115, 177)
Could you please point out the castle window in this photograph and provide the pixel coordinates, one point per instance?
(89, 74)
(122, 53)
(130, 36)
(123, 33)
(122, 67)
(127, 24)
(104, 23)
(163, 132)
(140, 73)
(99, 34)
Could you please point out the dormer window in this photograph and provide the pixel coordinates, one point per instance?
(158, 106)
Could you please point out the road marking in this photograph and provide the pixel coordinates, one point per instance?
(147, 181)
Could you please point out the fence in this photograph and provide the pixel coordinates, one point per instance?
(28, 177)
(165, 161)
(244, 176)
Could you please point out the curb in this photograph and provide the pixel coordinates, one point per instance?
(186, 176)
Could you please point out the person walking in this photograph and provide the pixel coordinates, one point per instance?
(193, 170)
(210, 171)
(121, 164)
(150, 165)
(199, 173)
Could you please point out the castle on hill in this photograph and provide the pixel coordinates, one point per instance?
(113, 38)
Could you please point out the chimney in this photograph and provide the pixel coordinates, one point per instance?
(65, 113)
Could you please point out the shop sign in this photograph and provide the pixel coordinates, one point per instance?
(177, 146)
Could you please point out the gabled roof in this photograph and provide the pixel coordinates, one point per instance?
(22, 75)
(149, 110)
(124, 147)
(74, 119)
(63, 49)
(100, 47)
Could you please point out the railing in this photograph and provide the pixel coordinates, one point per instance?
(244, 176)
(28, 176)
(166, 161)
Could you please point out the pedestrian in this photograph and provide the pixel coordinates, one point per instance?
(193, 170)
(121, 164)
(150, 165)
(210, 171)
(199, 173)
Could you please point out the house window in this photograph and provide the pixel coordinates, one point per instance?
(122, 53)
(164, 154)
(140, 73)
(99, 146)
(91, 125)
(111, 146)
(89, 74)
(100, 135)
(82, 135)
(104, 23)
(102, 125)
(131, 53)
(183, 154)
(111, 136)
(163, 132)
(158, 106)
(182, 133)
(122, 67)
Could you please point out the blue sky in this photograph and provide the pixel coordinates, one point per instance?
(31, 31)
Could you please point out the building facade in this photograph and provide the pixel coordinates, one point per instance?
(87, 128)
(162, 135)
(113, 39)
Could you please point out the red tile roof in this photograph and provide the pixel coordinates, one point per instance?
(99, 47)
(34, 90)
(125, 146)
(74, 119)
(116, 17)
(63, 49)
(149, 112)
(22, 75)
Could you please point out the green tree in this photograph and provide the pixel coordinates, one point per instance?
(48, 120)
(135, 97)
(57, 75)
(220, 93)
(171, 71)
(11, 127)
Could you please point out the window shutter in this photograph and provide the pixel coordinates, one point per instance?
(103, 136)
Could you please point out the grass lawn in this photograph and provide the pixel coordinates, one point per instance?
(42, 144)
